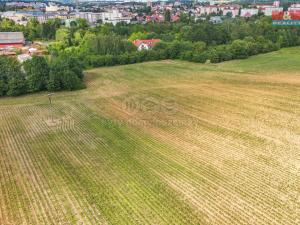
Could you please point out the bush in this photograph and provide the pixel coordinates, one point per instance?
(12, 79)
(16, 85)
(70, 81)
(37, 73)
(66, 73)
(213, 55)
(239, 49)
(187, 55)
(224, 53)
(201, 58)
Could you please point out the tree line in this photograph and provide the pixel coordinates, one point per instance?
(39, 74)
(199, 41)
(79, 46)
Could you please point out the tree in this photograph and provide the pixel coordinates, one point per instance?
(178, 47)
(137, 36)
(105, 45)
(48, 29)
(70, 81)
(168, 15)
(201, 57)
(54, 82)
(65, 73)
(3, 76)
(3, 87)
(12, 80)
(73, 24)
(55, 48)
(184, 18)
(199, 46)
(229, 14)
(82, 23)
(63, 35)
(239, 49)
(16, 85)
(78, 37)
(37, 73)
(34, 29)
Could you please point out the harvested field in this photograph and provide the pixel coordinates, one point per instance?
(167, 142)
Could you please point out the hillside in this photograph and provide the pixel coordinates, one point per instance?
(166, 142)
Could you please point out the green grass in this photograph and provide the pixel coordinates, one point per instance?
(283, 60)
(167, 142)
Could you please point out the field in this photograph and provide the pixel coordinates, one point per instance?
(167, 142)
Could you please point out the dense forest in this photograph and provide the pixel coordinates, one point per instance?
(79, 46)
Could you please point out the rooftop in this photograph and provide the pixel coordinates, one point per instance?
(149, 42)
(11, 37)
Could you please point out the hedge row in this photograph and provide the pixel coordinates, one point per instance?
(238, 49)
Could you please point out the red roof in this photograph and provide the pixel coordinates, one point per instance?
(174, 18)
(149, 42)
(155, 18)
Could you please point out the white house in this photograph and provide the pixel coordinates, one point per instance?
(145, 44)
(248, 12)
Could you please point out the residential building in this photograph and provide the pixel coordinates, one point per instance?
(145, 44)
(206, 10)
(56, 8)
(155, 18)
(249, 12)
(89, 16)
(17, 17)
(114, 17)
(232, 10)
(52, 7)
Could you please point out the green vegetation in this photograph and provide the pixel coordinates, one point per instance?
(108, 45)
(61, 73)
(201, 41)
(169, 142)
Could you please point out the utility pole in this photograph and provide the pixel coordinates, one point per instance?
(51, 106)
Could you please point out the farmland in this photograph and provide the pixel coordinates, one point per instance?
(166, 142)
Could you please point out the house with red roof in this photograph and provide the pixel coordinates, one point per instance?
(157, 18)
(145, 44)
(175, 18)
